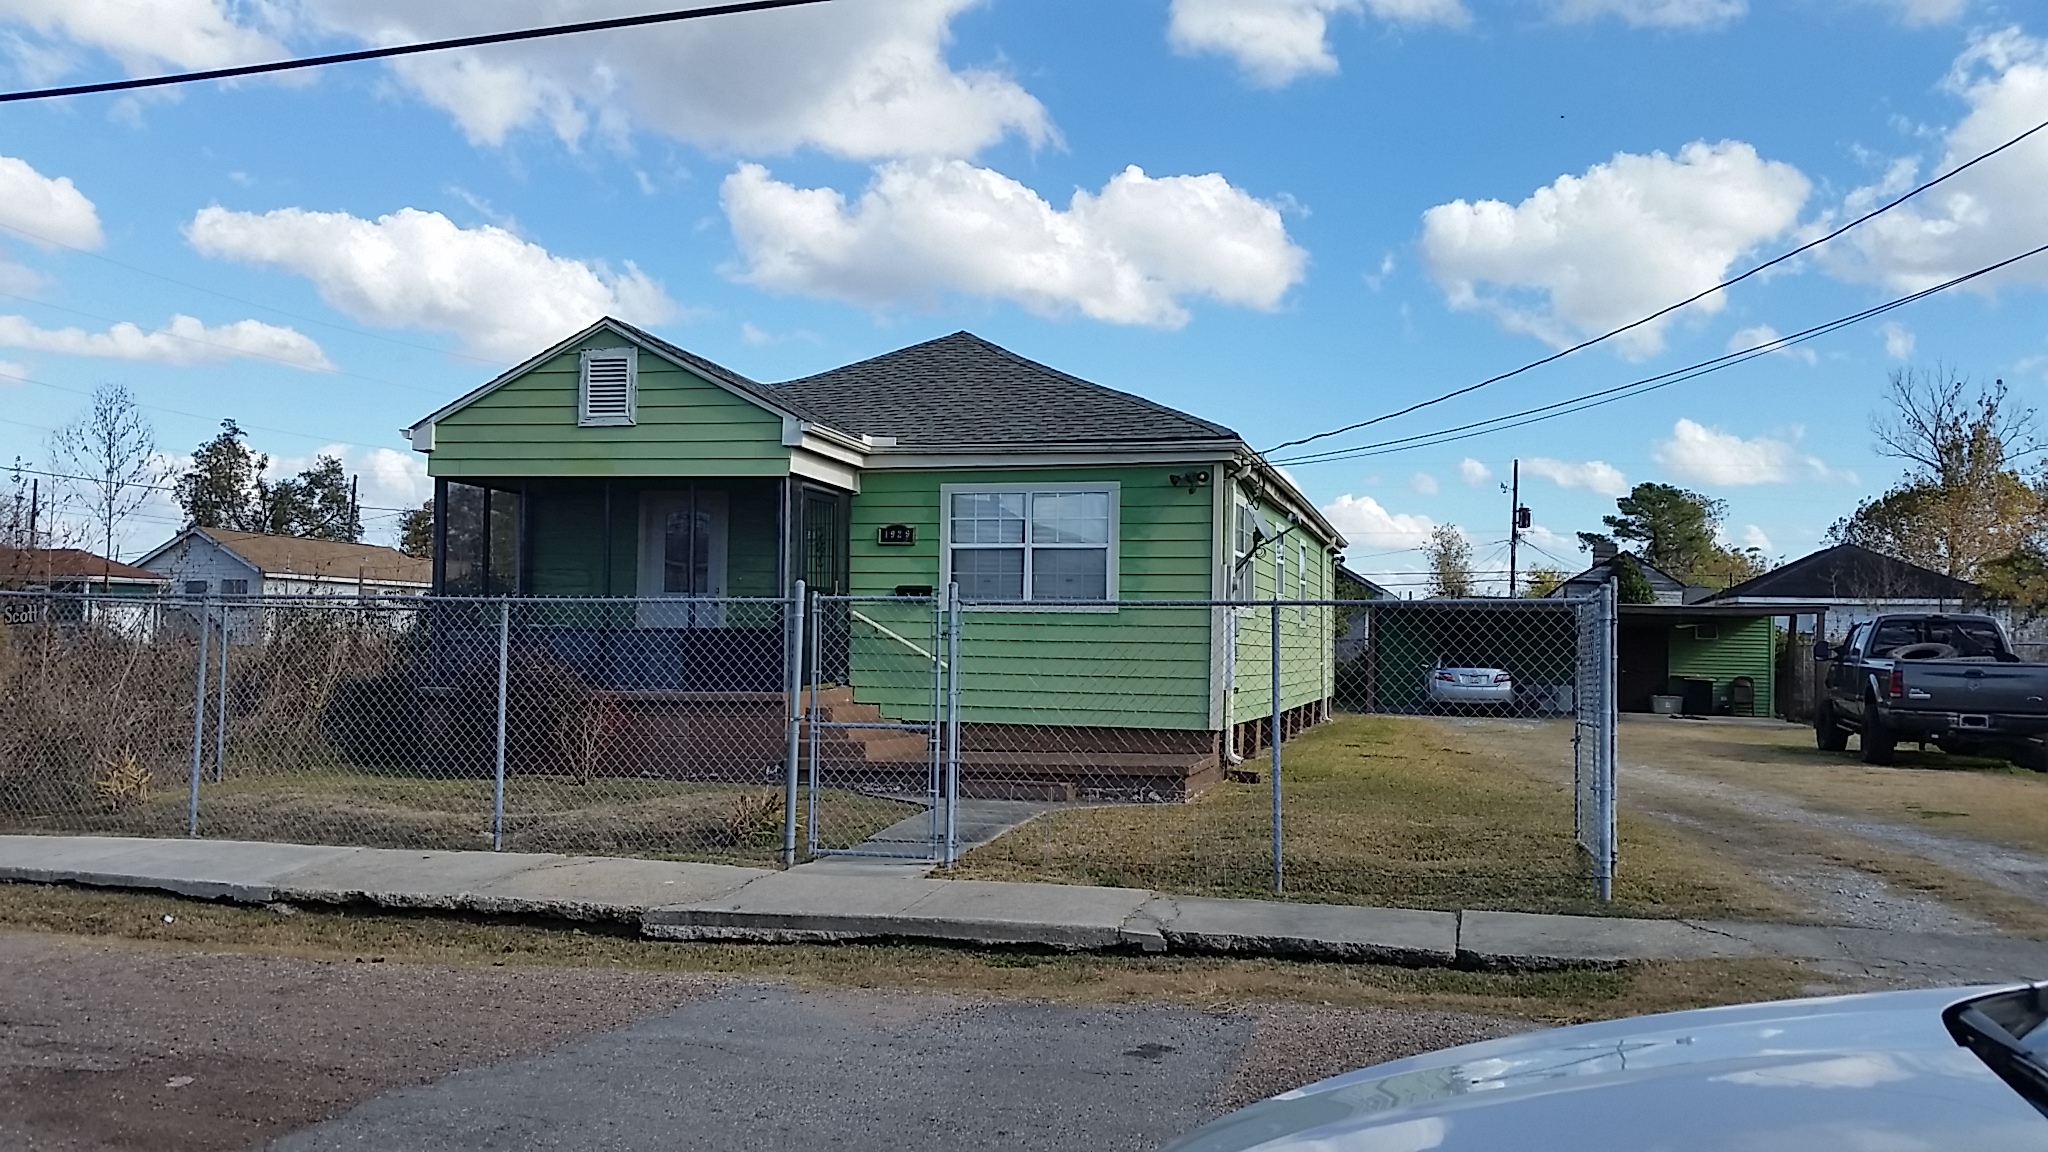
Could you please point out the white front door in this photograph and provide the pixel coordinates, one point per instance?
(682, 558)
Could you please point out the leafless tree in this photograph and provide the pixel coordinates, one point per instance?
(1934, 419)
(108, 456)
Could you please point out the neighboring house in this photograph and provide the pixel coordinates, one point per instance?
(1355, 635)
(615, 464)
(216, 562)
(96, 588)
(1853, 584)
(1668, 588)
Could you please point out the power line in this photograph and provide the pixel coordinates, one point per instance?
(1605, 396)
(315, 437)
(1662, 312)
(146, 487)
(668, 17)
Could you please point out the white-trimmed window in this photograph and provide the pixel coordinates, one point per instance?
(607, 384)
(1048, 543)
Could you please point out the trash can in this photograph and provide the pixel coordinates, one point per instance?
(1667, 705)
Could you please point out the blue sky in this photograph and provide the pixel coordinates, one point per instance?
(1280, 214)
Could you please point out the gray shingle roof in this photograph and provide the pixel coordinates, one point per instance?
(962, 391)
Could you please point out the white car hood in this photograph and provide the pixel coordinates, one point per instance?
(1874, 1073)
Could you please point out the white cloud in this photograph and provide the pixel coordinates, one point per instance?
(1981, 216)
(504, 296)
(1655, 13)
(1898, 341)
(1916, 13)
(1762, 334)
(1600, 250)
(1276, 41)
(1128, 254)
(1473, 472)
(1712, 456)
(1371, 528)
(49, 210)
(184, 340)
(1754, 537)
(1591, 475)
(863, 80)
(143, 34)
(1423, 483)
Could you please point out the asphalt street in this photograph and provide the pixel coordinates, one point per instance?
(769, 1067)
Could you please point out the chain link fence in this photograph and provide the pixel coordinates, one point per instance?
(1133, 743)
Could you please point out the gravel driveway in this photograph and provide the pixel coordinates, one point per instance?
(116, 1046)
(1668, 771)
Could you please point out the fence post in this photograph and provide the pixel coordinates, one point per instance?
(1610, 721)
(811, 711)
(1273, 740)
(498, 777)
(795, 678)
(952, 733)
(220, 716)
(198, 723)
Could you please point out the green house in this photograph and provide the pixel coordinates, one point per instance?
(1087, 529)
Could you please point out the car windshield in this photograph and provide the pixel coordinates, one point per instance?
(2005, 1031)
(1978, 638)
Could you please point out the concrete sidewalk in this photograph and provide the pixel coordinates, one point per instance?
(850, 899)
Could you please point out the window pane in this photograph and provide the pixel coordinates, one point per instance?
(504, 543)
(463, 565)
(988, 518)
(1070, 574)
(989, 573)
(1070, 518)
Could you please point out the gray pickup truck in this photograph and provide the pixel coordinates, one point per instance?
(1950, 681)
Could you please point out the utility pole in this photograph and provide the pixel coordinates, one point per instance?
(1514, 523)
(35, 499)
(354, 517)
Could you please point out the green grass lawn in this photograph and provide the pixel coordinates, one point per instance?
(1391, 811)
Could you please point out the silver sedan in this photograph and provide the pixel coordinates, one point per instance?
(1471, 685)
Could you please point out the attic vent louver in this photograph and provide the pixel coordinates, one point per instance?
(606, 385)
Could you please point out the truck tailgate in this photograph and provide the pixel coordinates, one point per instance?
(1965, 687)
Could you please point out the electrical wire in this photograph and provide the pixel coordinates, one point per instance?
(1600, 398)
(151, 487)
(1665, 311)
(668, 17)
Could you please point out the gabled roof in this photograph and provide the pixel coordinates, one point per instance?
(1601, 572)
(1850, 572)
(962, 391)
(314, 559)
(69, 564)
(1372, 590)
(718, 374)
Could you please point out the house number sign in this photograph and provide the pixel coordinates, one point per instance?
(896, 534)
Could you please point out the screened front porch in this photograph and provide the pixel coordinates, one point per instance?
(695, 567)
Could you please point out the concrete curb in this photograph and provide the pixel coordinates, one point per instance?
(843, 902)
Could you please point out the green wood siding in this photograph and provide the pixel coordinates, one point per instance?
(1744, 648)
(687, 426)
(1128, 666)
(1307, 664)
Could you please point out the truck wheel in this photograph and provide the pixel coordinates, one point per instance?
(1828, 735)
(1877, 740)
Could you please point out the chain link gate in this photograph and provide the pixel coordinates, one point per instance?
(1593, 737)
(876, 766)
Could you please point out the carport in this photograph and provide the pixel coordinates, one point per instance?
(1662, 647)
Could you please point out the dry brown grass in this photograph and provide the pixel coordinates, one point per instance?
(1985, 799)
(1382, 810)
(148, 920)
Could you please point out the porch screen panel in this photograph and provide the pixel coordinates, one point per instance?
(466, 544)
